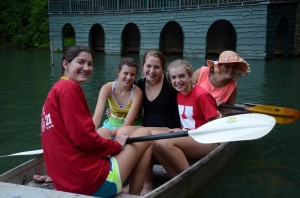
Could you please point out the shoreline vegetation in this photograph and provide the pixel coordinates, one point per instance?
(24, 24)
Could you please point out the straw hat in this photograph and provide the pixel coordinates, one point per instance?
(228, 57)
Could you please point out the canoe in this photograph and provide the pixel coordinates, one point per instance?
(18, 182)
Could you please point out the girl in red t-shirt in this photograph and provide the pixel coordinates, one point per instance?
(196, 107)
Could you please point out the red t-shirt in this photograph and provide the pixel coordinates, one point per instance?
(196, 108)
(75, 155)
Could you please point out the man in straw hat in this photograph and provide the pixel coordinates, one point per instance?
(218, 77)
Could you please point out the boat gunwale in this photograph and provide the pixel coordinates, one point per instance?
(37, 166)
(24, 171)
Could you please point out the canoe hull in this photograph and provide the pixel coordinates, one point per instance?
(186, 184)
(191, 180)
(23, 173)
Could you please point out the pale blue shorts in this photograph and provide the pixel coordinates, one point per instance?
(113, 183)
(107, 125)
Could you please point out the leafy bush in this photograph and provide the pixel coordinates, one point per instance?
(24, 24)
(68, 42)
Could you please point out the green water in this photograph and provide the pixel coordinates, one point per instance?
(268, 167)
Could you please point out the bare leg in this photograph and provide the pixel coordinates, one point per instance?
(139, 174)
(104, 132)
(127, 129)
(148, 183)
(173, 153)
(133, 159)
(161, 153)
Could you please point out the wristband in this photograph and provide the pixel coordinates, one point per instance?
(122, 147)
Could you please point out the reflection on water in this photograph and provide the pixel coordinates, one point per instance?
(268, 167)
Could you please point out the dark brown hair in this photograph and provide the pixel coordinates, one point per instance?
(72, 52)
(130, 62)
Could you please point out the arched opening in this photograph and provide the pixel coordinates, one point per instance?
(171, 39)
(68, 36)
(130, 41)
(96, 38)
(281, 38)
(220, 36)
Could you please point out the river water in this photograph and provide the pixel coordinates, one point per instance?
(267, 167)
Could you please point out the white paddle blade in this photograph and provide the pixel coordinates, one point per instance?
(33, 152)
(234, 128)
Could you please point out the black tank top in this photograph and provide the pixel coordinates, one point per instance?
(163, 110)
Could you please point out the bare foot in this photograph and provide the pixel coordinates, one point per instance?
(42, 178)
(125, 190)
(147, 187)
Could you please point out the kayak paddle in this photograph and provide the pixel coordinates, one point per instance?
(233, 128)
(33, 152)
(282, 115)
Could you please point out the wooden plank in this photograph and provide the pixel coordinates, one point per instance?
(21, 191)
(23, 173)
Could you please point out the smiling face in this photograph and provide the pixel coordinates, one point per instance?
(230, 70)
(180, 79)
(80, 68)
(127, 75)
(152, 69)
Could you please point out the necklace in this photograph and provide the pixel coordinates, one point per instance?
(153, 84)
(65, 78)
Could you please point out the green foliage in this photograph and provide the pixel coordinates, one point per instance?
(39, 23)
(24, 24)
(69, 36)
(68, 42)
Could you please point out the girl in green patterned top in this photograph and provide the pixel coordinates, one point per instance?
(124, 99)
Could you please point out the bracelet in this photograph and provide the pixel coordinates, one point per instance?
(122, 147)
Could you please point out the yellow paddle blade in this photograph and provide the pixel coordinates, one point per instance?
(280, 120)
(282, 115)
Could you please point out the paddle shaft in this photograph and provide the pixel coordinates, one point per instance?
(233, 128)
(157, 137)
(256, 110)
(221, 106)
(129, 141)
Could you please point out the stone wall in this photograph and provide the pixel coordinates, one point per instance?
(250, 23)
(297, 33)
(276, 13)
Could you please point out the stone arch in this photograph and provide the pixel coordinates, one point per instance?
(130, 39)
(220, 36)
(171, 39)
(68, 36)
(96, 38)
(281, 38)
